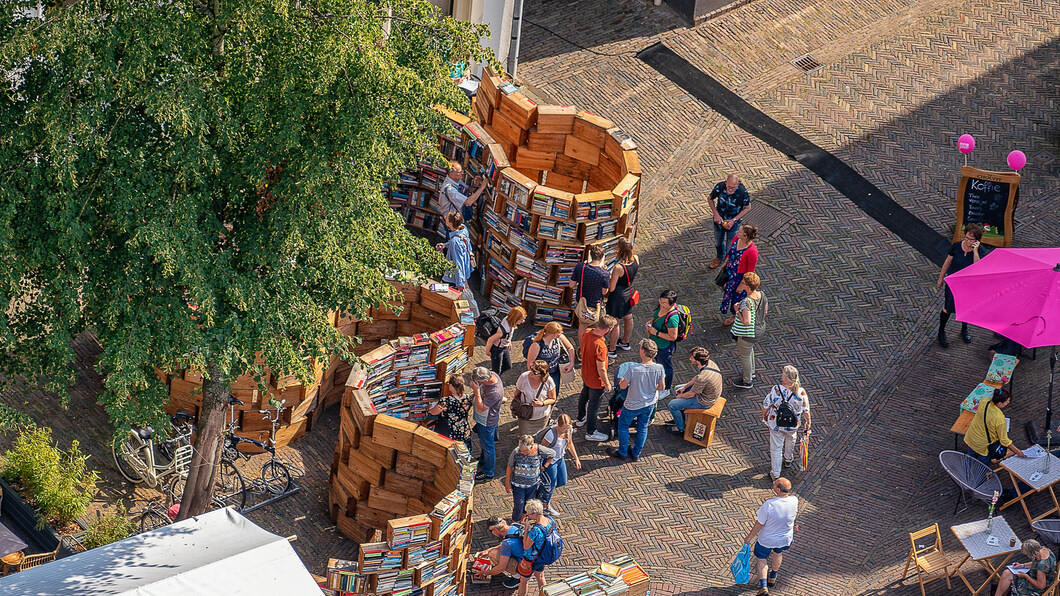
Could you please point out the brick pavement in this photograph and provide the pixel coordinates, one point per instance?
(853, 308)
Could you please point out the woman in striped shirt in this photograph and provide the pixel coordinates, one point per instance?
(743, 329)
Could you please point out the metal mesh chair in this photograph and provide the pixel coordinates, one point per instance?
(1048, 529)
(971, 475)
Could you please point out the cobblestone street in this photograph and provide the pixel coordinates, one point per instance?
(852, 306)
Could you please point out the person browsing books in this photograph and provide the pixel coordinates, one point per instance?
(505, 556)
(488, 396)
(454, 197)
(702, 391)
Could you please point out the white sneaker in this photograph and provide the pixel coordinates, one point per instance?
(596, 436)
(662, 394)
(580, 423)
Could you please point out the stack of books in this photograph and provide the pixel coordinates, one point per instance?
(527, 266)
(558, 230)
(541, 293)
(500, 272)
(425, 553)
(503, 299)
(518, 217)
(447, 511)
(495, 222)
(561, 315)
(377, 556)
(416, 531)
(523, 241)
(394, 581)
(499, 247)
(556, 254)
(411, 350)
(343, 578)
(447, 341)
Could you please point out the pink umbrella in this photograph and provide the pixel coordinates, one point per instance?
(1013, 291)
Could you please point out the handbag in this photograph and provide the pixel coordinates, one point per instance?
(522, 410)
(586, 315)
(634, 295)
(995, 449)
(722, 278)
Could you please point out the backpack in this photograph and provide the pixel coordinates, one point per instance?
(684, 322)
(529, 341)
(785, 414)
(487, 323)
(552, 548)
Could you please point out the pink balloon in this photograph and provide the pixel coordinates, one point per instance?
(965, 143)
(1016, 160)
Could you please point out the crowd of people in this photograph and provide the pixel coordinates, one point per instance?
(604, 301)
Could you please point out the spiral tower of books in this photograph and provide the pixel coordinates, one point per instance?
(558, 179)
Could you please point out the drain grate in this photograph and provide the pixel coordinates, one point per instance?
(807, 63)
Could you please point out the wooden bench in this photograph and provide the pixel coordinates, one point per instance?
(960, 427)
(705, 419)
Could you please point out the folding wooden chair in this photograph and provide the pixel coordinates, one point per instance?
(1053, 590)
(927, 559)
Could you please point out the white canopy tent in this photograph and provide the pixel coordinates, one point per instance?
(218, 553)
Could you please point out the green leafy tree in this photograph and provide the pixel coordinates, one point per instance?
(198, 183)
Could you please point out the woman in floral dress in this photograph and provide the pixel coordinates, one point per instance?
(452, 411)
(742, 258)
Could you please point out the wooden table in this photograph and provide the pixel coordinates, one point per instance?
(973, 537)
(1021, 469)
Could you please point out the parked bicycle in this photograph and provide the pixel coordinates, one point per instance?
(164, 465)
(142, 460)
(275, 474)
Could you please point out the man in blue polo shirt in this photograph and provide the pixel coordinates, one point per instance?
(729, 202)
(509, 550)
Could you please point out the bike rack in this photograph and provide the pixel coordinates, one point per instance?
(257, 490)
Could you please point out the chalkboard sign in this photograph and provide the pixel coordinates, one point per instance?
(988, 199)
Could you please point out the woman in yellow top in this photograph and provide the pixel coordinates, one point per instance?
(988, 426)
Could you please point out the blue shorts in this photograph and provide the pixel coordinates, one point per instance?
(762, 552)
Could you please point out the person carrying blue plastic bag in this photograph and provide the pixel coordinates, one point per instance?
(741, 566)
(775, 529)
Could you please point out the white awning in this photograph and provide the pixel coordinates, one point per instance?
(220, 552)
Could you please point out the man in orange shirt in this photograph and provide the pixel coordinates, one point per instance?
(595, 380)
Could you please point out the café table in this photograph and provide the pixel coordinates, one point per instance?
(973, 537)
(1023, 470)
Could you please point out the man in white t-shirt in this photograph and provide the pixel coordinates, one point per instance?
(775, 528)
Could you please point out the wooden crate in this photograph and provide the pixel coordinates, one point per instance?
(543, 141)
(556, 119)
(591, 128)
(581, 150)
(394, 433)
(519, 109)
(565, 183)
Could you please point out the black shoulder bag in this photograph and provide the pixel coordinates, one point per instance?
(995, 450)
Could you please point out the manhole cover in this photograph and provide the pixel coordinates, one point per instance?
(768, 219)
(807, 63)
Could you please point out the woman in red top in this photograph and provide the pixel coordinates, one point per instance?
(742, 258)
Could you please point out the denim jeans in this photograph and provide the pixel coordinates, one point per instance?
(665, 357)
(520, 496)
(557, 477)
(723, 238)
(678, 406)
(500, 359)
(589, 407)
(643, 417)
(487, 436)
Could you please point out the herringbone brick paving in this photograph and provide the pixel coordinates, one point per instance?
(853, 309)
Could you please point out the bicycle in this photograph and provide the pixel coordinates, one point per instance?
(275, 475)
(140, 460)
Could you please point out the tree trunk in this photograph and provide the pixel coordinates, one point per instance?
(198, 490)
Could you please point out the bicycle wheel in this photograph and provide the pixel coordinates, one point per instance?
(276, 476)
(153, 519)
(230, 489)
(121, 453)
